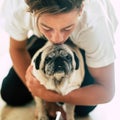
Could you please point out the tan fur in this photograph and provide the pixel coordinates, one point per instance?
(71, 82)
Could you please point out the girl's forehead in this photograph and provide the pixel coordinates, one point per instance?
(64, 19)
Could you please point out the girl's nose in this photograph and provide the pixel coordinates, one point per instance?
(57, 37)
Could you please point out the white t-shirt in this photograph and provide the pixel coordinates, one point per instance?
(94, 32)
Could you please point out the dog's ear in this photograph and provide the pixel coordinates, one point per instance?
(76, 61)
(37, 60)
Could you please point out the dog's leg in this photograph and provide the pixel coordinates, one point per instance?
(69, 111)
(41, 112)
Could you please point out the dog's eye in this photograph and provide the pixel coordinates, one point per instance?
(68, 57)
(50, 57)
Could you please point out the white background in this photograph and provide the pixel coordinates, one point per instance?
(109, 111)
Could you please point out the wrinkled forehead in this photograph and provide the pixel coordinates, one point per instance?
(57, 49)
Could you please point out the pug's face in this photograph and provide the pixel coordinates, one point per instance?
(57, 61)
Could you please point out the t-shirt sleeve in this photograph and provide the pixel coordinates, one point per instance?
(97, 39)
(99, 44)
(17, 20)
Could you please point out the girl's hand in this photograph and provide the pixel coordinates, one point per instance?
(39, 90)
(36, 88)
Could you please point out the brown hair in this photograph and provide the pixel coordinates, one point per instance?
(52, 6)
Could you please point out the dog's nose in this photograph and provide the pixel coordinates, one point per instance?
(59, 65)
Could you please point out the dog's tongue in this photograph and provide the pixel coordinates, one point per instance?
(59, 75)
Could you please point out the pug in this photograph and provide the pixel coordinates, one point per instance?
(59, 68)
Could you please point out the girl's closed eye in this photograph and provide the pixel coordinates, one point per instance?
(69, 28)
(46, 28)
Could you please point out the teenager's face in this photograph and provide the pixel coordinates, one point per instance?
(57, 28)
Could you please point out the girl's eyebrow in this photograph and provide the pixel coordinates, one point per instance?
(52, 28)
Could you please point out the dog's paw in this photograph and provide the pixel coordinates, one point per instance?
(70, 117)
(43, 117)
